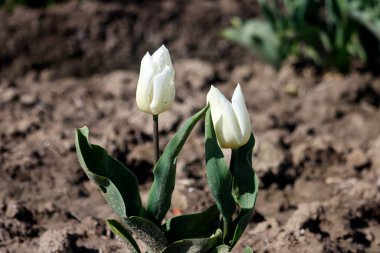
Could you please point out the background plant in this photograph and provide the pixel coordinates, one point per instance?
(330, 33)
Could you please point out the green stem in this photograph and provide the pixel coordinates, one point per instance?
(156, 145)
(227, 223)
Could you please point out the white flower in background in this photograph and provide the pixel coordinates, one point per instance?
(155, 88)
(231, 120)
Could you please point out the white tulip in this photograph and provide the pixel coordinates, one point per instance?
(155, 88)
(231, 120)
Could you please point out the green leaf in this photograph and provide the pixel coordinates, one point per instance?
(248, 250)
(244, 178)
(260, 37)
(160, 193)
(117, 183)
(371, 25)
(198, 225)
(242, 221)
(200, 245)
(148, 232)
(245, 185)
(218, 175)
(124, 234)
(335, 11)
(221, 249)
(241, 224)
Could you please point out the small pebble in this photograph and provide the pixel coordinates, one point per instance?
(28, 99)
(8, 95)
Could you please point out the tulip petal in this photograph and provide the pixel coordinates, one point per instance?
(212, 98)
(161, 59)
(225, 122)
(242, 115)
(163, 91)
(144, 91)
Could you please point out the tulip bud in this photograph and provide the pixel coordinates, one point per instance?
(155, 88)
(231, 120)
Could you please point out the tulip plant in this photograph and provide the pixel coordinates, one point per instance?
(234, 186)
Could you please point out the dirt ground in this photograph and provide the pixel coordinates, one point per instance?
(318, 135)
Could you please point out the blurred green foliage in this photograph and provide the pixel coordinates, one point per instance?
(330, 33)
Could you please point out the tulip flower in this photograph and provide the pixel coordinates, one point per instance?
(155, 88)
(231, 120)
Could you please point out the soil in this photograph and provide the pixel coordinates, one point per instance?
(317, 149)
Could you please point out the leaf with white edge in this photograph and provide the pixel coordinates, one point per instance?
(148, 232)
(160, 193)
(117, 183)
(200, 245)
(218, 174)
(197, 225)
(124, 235)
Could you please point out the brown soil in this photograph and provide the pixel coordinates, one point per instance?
(318, 136)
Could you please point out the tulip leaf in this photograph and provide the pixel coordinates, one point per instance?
(218, 175)
(148, 232)
(245, 186)
(124, 235)
(242, 221)
(197, 225)
(160, 193)
(199, 245)
(117, 183)
(241, 224)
